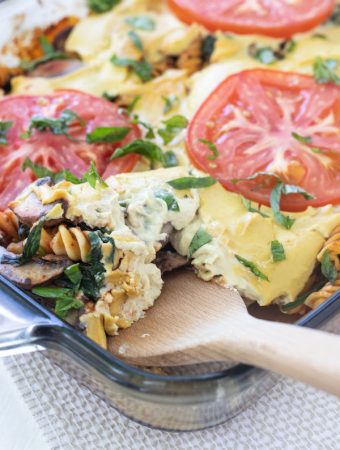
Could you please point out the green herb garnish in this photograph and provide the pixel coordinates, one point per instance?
(200, 238)
(172, 127)
(107, 134)
(252, 267)
(133, 104)
(324, 71)
(4, 128)
(268, 55)
(92, 177)
(65, 300)
(73, 273)
(248, 205)
(50, 54)
(141, 23)
(169, 103)
(278, 252)
(41, 172)
(208, 46)
(141, 68)
(301, 298)
(102, 6)
(147, 149)
(328, 268)
(212, 147)
(150, 132)
(169, 199)
(306, 140)
(191, 182)
(136, 40)
(170, 159)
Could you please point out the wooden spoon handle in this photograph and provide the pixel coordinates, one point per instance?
(305, 354)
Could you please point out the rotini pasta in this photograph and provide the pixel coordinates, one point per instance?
(71, 242)
(333, 247)
(9, 224)
(317, 298)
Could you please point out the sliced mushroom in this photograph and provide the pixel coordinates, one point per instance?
(168, 260)
(36, 272)
(56, 68)
(30, 210)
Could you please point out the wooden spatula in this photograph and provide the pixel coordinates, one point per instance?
(195, 321)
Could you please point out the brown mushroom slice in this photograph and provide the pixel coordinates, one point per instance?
(168, 260)
(57, 68)
(30, 210)
(35, 272)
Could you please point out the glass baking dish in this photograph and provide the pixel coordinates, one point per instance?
(188, 398)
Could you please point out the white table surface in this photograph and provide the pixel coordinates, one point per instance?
(18, 430)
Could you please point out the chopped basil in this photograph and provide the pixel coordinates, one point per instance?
(73, 273)
(303, 139)
(41, 172)
(141, 23)
(172, 127)
(150, 132)
(55, 126)
(208, 46)
(191, 182)
(64, 297)
(170, 159)
(301, 298)
(4, 128)
(147, 149)
(212, 147)
(328, 268)
(92, 177)
(136, 40)
(200, 238)
(324, 71)
(252, 267)
(107, 134)
(141, 68)
(256, 175)
(109, 97)
(275, 200)
(52, 292)
(101, 6)
(169, 103)
(268, 55)
(247, 204)
(66, 304)
(49, 54)
(169, 199)
(133, 104)
(278, 252)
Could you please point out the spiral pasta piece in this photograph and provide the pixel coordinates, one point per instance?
(333, 247)
(317, 298)
(71, 242)
(9, 223)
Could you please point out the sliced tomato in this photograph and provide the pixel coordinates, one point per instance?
(57, 152)
(276, 122)
(277, 18)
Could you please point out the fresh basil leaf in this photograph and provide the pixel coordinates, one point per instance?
(275, 200)
(278, 252)
(150, 132)
(65, 304)
(46, 46)
(252, 267)
(136, 40)
(328, 268)
(92, 177)
(256, 175)
(50, 54)
(172, 127)
(169, 159)
(191, 182)
(141, 68)
(212, 147)
(73, 273)
(141, 23)
(303, 139)
(147, 149)
(248, 205)
(169, 199)
(208, 46)
(288, 189)
(32, 243)
(200, 238)
(107, 134)
(52, 292)
(68, 116)
(102, 6)
(41, 172)
(133, 104)
(324, 71)
(301, 298)
(266, 55)
(4, 128)
(169, 103)
(109, 97)
(67, 175)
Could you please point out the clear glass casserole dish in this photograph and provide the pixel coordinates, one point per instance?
(185, 399)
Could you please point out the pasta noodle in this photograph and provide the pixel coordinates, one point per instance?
(9, 223)
(71, 242)
(317, 298)
(333, 247)
(191, 59)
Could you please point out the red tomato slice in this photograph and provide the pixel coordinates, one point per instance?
(57, 152)
(251, 117)
(277, 18)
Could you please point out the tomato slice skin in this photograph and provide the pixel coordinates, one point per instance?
(251, 118)
(57, 152)
(277, 20)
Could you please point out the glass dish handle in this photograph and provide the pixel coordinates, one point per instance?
(20, 319)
